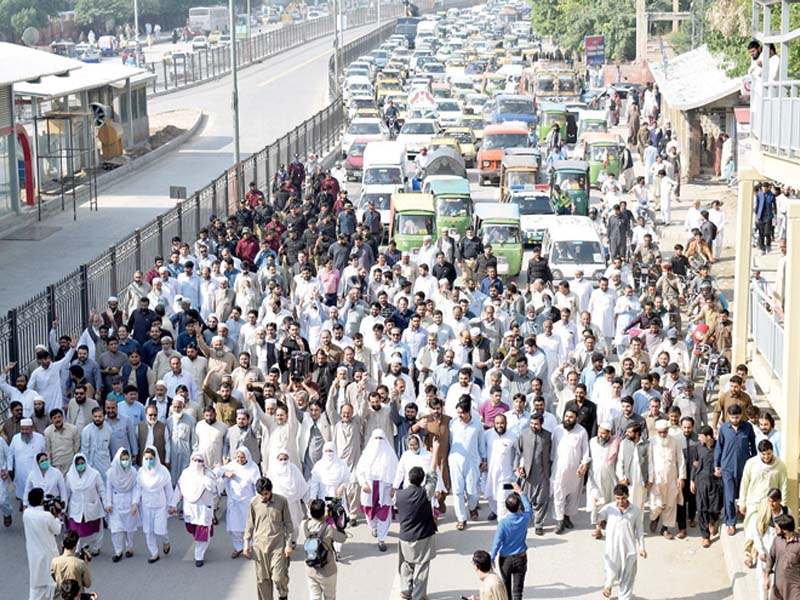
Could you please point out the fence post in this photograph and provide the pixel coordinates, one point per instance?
(268, 182)
(197, 214)
(255, 169)
(160, 223)
(166, 77)
(180, 220)
(305, 140)
(227, 192)
(137, 234)
(208, 71)
(214, 197)
(112, 250)
(13, 340)
(84, 295)
(51, 303)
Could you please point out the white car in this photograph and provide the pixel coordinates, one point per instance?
(199, 42)
(448, 112)
(367, 129)
(416, 134)
(435, 70)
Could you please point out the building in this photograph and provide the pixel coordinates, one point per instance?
(762, 319)
(697, 98)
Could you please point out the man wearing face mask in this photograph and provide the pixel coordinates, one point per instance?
(152, 432)
(570, 462)
(96, 441)
(180, 440)
(500, 447)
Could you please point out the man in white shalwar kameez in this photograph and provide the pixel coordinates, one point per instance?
(601, 308)
(197, 487)
(238, 480)
(602, 472)
(153, 494)
(281, 431)
(570, 461)
(22, 453)
(466, 460)
(376, 471)
(209, 438)
(41, 529)
(500, 445)
(180, 438)
(633, 465)
(624, 537)
(668, 474)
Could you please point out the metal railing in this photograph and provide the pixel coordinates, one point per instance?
(775, 115)
(766, 330)
(183, 70)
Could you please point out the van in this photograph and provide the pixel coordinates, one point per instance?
(572, 243)
(384, 165)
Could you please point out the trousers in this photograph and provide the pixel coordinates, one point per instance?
(122, 540)
(272, 571)
(321, 587)
(688, 510)
(151, 539)
(730, 493)
(513, 569)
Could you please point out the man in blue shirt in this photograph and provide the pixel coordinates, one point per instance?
(509, 542)
(736, 443)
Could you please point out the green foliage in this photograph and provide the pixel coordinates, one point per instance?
(16, 15)
(572, 20)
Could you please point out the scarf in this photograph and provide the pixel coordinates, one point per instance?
(378, 462)
(287, 480)
(330, 469)
(122, 480)
(246, 474)
(152, 479)
(195, 479)
(77, 482)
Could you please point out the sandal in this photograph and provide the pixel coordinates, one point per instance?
(460, 525)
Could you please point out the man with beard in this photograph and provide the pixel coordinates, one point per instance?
(22, 453)
(533, 451)
(348, 439)
(467, 459)
(80, 407)
(633, 466)
(180, 438)
(123, 432)
(706, 485)
(602, 479)
(96, 441)
(668, 471)
(435, 426)
(210, 438)
(19, 391)
(500, 447)
(570, 462)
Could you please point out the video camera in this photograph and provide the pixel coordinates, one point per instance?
(336, 511)
(53, 504)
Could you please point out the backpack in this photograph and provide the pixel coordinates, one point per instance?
(316, 552)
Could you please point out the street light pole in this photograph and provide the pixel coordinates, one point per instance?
(235, 97)
(136, 20)
(248, 19)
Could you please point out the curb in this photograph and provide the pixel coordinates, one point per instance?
(30, 215)
(743, 580)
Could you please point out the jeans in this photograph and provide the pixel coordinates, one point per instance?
(730, 492)
(513, 569)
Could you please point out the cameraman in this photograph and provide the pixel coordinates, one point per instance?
(322, 580)
(71, 590)
(71, 565)
(41, 529)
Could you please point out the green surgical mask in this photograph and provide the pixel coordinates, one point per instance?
(44, 465)
(80, 468)
(125, 463)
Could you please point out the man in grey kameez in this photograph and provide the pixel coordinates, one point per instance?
(180, 437)
(533, 466)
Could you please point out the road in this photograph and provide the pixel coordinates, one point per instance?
(274, 96)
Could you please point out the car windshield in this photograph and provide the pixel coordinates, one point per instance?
(566, 84)
(602, 153)
(551, 118)
(414, 224)
(500, 234)
(504, 140)
(357, 150)
(383, 176)
(442, 93)
(475, 68)
(364, 103)
(533, 205)
(520, 106)
(463, 137)
(434, 68)
(570, 182)
(382, 201)
(576, 252)
(364, 129)
(463, 85)
(519, 179)
(593, 126)
(452, 207)
(448, 107)
(425, 128)
(544, 84)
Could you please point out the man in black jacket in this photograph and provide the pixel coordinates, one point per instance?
(417, 529)
(538, 268)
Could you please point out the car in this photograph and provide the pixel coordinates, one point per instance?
(416, 134)
(536, 212)
(466, 142)
(199, 42)
(369, 129)
(224, 40)
(213, 37)
(435, 70)
(313, 15)
(448, 112)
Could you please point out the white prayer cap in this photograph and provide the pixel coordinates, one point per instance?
(156, 279)
(396, 359)
(344, 369)
(217, 338)
(26, 423)
(428, 381)
(113, 299)
(443, 280)
(605, 425)
(178, 398)
(40, 347)
(242, 411)
(270, 402)
(178, 298)
(261, 328)
(163, 269)
(475, 331)
(662, 424)
(508, 334)
(224, 326)
(161, 382)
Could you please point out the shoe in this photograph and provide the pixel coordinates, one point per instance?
(198, 563)
(153, 559)
(442, 505)
(381, 546)
(749, 562)
(561, 528)
(539, 531)
(731, 530)
(116, 558)
(653, 525)
(166, 548)
(491, 517)
(236, 554)
(667, 534)
(7, 521)
(128, 553)
(460, 525)
(692, 523)
(473, 514)
(681, 534)
(712, 528)
(374, 533)
(706, 543)
(353, 522)
(96, 552)
(597, 534)
(568, 523)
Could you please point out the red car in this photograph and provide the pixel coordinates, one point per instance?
(354, 163)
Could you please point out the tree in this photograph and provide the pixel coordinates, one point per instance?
(16, 15)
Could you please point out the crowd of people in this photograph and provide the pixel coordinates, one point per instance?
(286, 362)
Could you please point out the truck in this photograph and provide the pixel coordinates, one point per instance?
(407, 26)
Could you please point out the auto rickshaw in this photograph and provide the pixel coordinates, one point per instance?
(518, 171)
(551, 113)
(570, 179)
(601, 150)
(411, 218)
(493, 83)
(453, 204)
(466, 143)
(499, 225)
(591, 121)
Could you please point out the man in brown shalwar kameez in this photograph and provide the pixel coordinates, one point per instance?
(437, 425)
(784, 561)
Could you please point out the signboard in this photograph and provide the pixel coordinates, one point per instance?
(595, 48)
(421, 98)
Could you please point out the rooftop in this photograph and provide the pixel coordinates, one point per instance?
(89, 77)
(20, 63)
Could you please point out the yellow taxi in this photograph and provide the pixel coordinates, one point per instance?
(475, 123)
(466, 143)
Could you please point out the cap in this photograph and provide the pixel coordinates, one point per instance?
(113, 299)
(396, 360)
(427, 238)
(161, 382)
(475, 331)
(672, 333)
(662, 424)
(26, 423)
(604, 425)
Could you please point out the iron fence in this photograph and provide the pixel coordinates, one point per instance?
(766, 330)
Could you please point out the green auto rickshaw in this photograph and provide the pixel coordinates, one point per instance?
(499, 225)
(453, 204)
(551, 113)
(412, 217)
(572, 179)
(602, 152)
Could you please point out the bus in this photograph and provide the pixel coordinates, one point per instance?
(206, 19)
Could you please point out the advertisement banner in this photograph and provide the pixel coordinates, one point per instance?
(595, 47)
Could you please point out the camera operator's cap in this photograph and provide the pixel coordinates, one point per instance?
(26, 423)
(672, 333)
